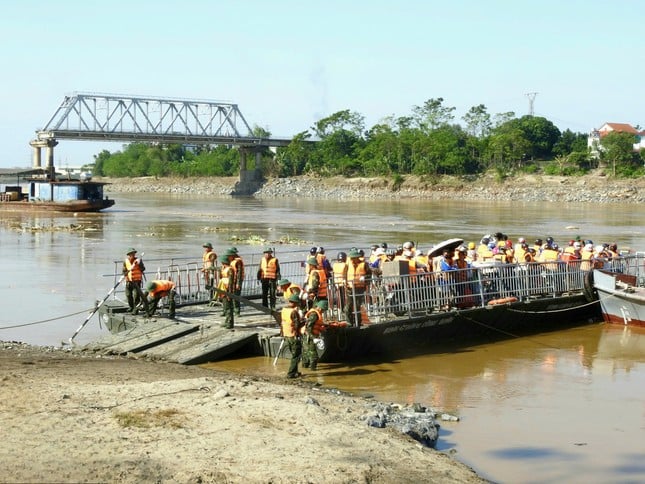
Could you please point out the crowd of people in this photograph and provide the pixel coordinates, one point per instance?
(344, 280)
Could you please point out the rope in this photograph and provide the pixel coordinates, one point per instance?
(553, 310)
(45, 320)
(512, 335)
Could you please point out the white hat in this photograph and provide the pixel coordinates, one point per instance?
(407, 253)
(379, 251)
(589, 247)
(577, 245)
(599, 248)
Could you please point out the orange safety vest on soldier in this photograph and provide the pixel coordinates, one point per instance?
(340, 273)
(238, 266)
(268, 268)
(289, 326)
(318, 327)
(322, 282)
(208, 259)
(356, 275)
(162, 288)
(225, 279)
(134, 271)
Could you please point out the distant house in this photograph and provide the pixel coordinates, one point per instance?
(593, 141)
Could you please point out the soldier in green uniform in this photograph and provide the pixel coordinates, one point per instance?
(290, 331)
(227, 283)
(314, 325)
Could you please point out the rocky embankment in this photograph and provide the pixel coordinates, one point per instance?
(526, 188)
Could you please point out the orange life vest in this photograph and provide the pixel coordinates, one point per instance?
(318, 327)
(289, 326)
(208, 259)
(224, 281)
(355, 273)
(134, 271)
(322, 282)
(162, 288)
(340, 273)
(268, 268)
(238, 265)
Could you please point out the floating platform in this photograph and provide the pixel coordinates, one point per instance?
(195, 336)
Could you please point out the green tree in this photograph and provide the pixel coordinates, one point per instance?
(342, 120)
(617, 150)
(432, 114)
(292, 159)
(478, 122)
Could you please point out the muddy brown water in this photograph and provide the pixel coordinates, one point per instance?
(567, 406)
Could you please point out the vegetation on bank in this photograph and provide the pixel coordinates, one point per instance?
(427, 142)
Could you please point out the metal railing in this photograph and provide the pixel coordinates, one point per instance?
(411, 295)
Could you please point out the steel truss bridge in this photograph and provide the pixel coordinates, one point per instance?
(108, 117)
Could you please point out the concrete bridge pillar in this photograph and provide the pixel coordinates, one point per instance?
(250, 180)
(50, 154)
(37, 145)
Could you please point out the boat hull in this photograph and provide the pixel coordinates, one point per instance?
(69, 207)
(621, 299)
(426, 333)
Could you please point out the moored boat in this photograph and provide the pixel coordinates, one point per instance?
(35, 190)
(402, 313)
(621, 291)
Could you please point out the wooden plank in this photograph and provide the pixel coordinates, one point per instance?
(147, 336)
(214, 348)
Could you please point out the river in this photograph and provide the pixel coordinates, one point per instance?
(562, 406)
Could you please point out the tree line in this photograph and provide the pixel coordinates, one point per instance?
(427, 142)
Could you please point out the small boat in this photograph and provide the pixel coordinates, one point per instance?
(401, 314)
(36, 190)
(621, 290)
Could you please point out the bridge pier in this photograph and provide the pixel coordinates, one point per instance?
(38, 145)
(250, 180)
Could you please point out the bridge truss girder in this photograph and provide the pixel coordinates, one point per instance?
(98, 117)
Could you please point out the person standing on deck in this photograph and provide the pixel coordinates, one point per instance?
(313, 327)
(358, 277)
(133, 270)
(227, 283)
(339, 269)
(290, 331)
(316, 282)
(238, 266)
(268, 275)
(158, 289)
(209, 265)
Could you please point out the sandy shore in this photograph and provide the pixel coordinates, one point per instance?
(69, 417)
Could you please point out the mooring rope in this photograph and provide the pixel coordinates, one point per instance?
(45, 320)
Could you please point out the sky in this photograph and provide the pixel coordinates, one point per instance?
(290, 63)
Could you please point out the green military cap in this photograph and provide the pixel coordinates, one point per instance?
(312, 261)
(283, 282)
(230, 252)
(354, 253)
(131, 250)
(324, 305)
(208, 245)
(268, 250)
(294, 298)
(151, 286)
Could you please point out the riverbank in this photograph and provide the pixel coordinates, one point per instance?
(74, 417)
(592, 188)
